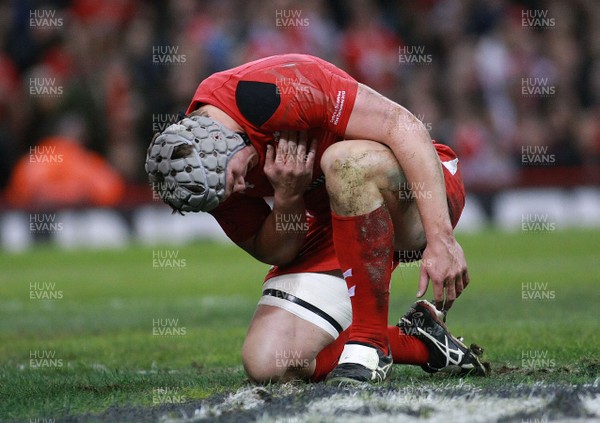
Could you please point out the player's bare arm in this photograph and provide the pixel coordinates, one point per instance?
(377, 118)
(288, 166)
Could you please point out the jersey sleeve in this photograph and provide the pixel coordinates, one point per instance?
(241, 216)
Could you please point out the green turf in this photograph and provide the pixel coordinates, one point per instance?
(99, 331)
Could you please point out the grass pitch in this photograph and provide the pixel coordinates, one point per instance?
(154, 334)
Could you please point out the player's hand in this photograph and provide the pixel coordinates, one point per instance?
(289, 164)
(445, 264)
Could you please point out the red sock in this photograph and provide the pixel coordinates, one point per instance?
(405, 349)
(328, 357)
(363, 245)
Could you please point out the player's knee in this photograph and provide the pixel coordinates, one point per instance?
(268, 365)
(341, 160)
(260, 366)
(358, 160)
(274, 365)
(358, 173)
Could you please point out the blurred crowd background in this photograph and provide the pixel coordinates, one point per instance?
(84, 73)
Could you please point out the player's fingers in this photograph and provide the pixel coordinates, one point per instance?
(459, 287)
(465, 278)
(282, 147)
(269, 156)
(438, 295)
(450, 294)
(423, 282)
(301, 149)
(312, 153)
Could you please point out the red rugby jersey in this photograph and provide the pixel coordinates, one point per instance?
(278, 93)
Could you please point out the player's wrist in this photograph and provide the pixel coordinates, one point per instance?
(442, 234)
(289, 202)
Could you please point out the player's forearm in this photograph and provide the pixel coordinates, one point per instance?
(416, 154)
(283, 232)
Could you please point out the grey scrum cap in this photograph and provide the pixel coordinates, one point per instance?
(187, 163)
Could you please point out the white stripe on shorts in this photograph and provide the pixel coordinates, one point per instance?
(318, 298)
